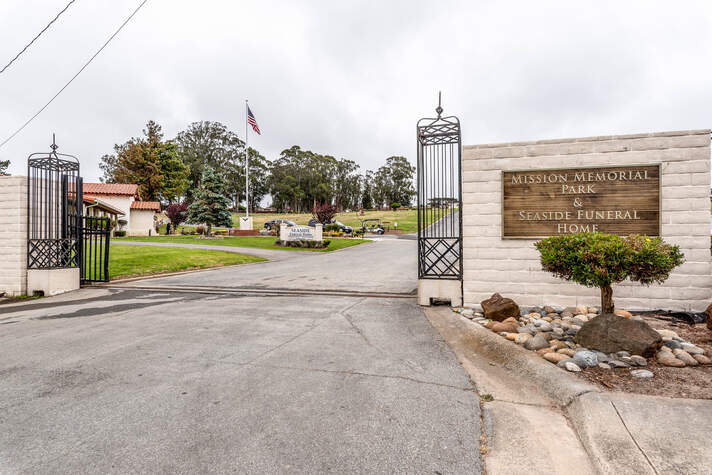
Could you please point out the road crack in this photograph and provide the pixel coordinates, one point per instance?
(343, 313)
(360, 373)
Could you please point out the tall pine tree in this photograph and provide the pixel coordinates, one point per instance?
(211, 205)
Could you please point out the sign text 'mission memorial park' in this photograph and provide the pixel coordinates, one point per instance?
(617, 200)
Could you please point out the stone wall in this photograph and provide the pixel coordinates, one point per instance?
(511, 266)
(13, 235)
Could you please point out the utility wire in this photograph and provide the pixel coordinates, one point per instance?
(73, 77)
(35, 38)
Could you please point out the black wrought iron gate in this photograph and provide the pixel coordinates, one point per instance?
(96, 234)
(58, 234)
(439, 197)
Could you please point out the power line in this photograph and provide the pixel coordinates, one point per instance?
(73, 77)
(35, 38)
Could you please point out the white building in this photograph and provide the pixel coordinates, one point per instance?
(139, 215)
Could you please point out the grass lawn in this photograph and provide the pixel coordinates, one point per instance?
(407, 219)
(260, 242)
(127, 261)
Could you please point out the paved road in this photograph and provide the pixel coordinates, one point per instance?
(116, 381)
(387, 265)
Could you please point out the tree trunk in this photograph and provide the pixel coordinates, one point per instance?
(607, 299)
(210, 226)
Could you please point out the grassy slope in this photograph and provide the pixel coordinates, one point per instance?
(260, 242)
(407, 219)
(140, 260)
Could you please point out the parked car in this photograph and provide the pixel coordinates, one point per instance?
(276, 222)
(342, 227)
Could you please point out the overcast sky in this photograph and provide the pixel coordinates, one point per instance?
(351, 78)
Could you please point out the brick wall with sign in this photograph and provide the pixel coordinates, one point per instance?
(496, 262)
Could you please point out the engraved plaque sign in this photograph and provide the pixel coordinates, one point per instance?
(617, 200)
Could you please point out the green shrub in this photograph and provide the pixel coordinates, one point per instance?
(395, 205)
(358, 232)
(599, 260)
(220, 232)
(118, 233)
(332, 228)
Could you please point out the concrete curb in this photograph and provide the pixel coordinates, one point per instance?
(562, 387)
(525, 426)
(621, 433)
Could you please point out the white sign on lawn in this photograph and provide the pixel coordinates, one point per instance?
(301, 233)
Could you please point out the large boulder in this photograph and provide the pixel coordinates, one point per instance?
(611, 333)
(499, 308)
(708, 313)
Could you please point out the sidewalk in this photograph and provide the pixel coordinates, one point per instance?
(544, 420)
(638, 434)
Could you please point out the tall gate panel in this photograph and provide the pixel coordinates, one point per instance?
(54, 196)
(58, 235)
(439, 198)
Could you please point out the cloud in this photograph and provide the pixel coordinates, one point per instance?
(352, 78)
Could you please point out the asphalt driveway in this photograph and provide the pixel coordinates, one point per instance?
(385, 265)
(129, 380)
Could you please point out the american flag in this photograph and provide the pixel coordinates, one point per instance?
(251, 120)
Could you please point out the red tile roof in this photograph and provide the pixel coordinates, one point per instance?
(149, 205)
(111, 189)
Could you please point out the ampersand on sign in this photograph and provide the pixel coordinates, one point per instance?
(578, 203)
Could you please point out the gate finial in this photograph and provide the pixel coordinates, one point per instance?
(54, 145)
(439, 109)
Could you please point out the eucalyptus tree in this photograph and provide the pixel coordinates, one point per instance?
(207, 144)
(393, 182)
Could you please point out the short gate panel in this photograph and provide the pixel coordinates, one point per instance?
(96, 233)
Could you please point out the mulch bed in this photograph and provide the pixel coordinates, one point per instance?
(689, 382)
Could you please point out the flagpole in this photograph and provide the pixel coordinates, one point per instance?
(247, 169)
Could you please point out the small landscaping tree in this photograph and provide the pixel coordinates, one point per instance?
(324, 213)
(395, 205)
(211, 205)
(177, 213)
(600, 260)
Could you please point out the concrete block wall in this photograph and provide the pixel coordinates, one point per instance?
(13, 235)
(511, 266)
